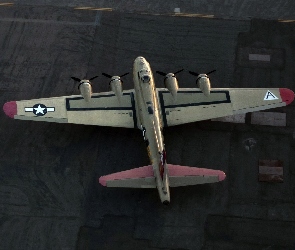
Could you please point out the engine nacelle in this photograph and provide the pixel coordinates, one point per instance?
(171, 84)
(85, 90)
(204, 84)
(116, 86)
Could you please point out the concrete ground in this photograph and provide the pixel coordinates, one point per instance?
(49, 195)
(235, 9)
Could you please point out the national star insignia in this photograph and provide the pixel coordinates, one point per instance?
(39, 109)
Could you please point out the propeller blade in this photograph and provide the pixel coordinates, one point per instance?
(107, 75)
(161, 73)
(211, 72)
(193, 73)
(124, 74)
(76, 79)
(92, 78)
(178, 71)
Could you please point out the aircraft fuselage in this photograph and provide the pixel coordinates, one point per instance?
(150, 122)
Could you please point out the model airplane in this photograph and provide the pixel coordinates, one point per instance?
(151, 109)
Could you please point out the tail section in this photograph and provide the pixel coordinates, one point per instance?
(143, 177)
(134, 178)
(185, 176)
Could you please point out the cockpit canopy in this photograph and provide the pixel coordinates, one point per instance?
(145, 78)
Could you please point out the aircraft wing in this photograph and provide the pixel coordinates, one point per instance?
(192, 105)
(104, 109)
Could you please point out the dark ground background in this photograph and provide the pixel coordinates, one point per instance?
(49, 195)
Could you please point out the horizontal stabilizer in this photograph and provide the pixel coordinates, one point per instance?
(142, 177)
(185, 176)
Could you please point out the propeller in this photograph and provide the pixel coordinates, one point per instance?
(76, 79)
(211, 71)
(161, 73)
(124, 74)
(164, 74)
(92, 78)
(109, 76)
(196, 74)
(203, 81)
(178, 71)
(79, 80)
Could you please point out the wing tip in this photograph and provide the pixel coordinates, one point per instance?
(10, 108)
(287, 95)
(102, 181)
(142, 172)
(177, 170)
(221, 176)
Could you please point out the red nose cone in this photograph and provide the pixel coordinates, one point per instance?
(287, 95)
(10, 109)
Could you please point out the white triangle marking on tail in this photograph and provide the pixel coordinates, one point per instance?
(270, 96)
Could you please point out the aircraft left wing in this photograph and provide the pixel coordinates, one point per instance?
(192, 105)
(104, 109)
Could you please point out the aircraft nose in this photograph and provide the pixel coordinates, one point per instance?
(10, 108)
(140, 59)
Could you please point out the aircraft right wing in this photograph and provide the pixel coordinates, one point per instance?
(192, 105)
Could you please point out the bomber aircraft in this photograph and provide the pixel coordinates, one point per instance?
(151, 109)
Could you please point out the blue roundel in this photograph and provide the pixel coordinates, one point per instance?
(39, 109)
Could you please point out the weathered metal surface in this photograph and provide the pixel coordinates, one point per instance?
(270, 171)
(269, 118)
(240, 118)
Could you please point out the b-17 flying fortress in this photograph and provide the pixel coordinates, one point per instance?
(151, 109)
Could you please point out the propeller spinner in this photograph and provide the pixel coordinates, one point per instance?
(170, 81)
(203, 81)
(116, 84)
(85, 87)
(81, 81)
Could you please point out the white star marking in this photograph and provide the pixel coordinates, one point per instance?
(39, 110)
